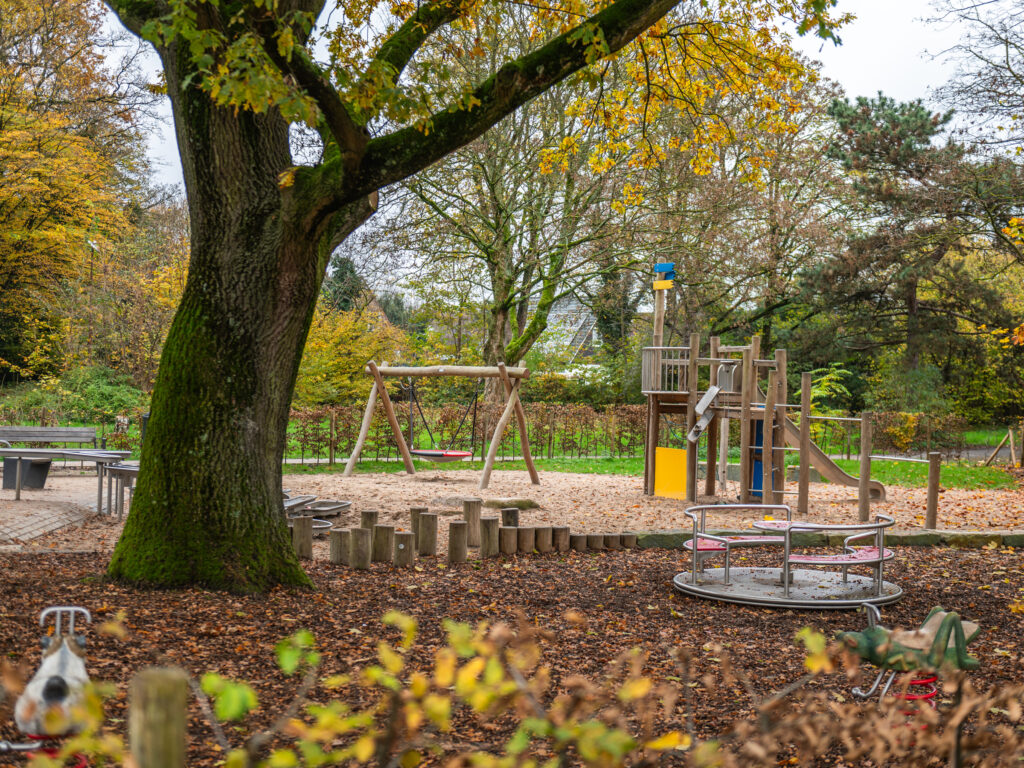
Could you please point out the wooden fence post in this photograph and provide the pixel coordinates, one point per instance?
(157, 718)
(931, 513)
(863, 488)
(803, 483)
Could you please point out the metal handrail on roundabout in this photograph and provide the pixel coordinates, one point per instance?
(785, 586)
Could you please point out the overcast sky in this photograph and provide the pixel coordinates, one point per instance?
(888, 48)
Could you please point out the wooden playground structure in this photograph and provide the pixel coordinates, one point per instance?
(734, 382)
(511, 377)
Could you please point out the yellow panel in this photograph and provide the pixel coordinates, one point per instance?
(670, 473)
(662, 285)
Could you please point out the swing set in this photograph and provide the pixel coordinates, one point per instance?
(511, 378)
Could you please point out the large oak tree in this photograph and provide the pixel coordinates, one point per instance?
(239, 74)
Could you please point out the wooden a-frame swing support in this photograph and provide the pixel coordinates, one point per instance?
(511, 377)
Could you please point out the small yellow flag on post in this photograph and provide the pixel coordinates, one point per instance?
(662, 285)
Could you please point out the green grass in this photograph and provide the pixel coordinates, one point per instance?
(984, 435)
(606, 466)
(914, 475)
(901, 473)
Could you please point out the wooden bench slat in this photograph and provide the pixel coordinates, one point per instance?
(48, 434)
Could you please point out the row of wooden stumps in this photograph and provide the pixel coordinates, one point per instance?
(372, 542)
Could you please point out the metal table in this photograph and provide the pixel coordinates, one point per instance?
(101, 458)
(122, 475)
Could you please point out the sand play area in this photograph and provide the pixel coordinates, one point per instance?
(585, 502)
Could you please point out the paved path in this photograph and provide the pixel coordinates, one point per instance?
(26, 520)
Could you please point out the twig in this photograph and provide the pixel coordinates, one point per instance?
(204, 705)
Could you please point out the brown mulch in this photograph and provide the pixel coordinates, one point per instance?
(625, 596)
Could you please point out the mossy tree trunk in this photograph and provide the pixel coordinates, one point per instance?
(208, 508)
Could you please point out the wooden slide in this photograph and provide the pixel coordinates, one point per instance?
(828, 468)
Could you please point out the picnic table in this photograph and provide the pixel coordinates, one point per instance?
(102, 459)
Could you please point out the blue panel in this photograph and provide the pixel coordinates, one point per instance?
(665, 266)
(758, 469)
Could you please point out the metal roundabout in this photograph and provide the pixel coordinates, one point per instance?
(817, 590)
(789, 585)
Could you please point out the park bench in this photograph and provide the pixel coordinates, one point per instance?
(14, 435)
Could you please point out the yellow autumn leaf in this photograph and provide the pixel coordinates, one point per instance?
(670, 740)
(635, 689)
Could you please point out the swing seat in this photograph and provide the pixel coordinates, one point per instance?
(439, 455)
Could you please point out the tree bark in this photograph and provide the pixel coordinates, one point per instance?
(208, 505)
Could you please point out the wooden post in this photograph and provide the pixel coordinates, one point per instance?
(302, 537)
(368, 518)
(612, 541)
(499, 430)
(414, 521)
(508, 540)
(364, 430)
(779, 436)
(863, 490)
(651, 443)
(426, 543)
(595, 541)
(526, 539)
(692, 387)
(803, 484)
(458, 533)
(767, 442)
(471, 514)
(578, 542)
(746, 392)
(1009, 431)
(560, 538)
(524, 440)
(158, 718)
(629, 541)
(340, 546)
(543, 539)
(360, 548)
(405, 549)
(510, 516)
(931, 512)
(383, 543)
(389, 411)
(489, 536)
(998, 447)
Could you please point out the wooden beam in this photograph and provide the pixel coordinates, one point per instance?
(864, 480)
(768, 441)
(466, 371)
(364, 430)
(389, 411)
(998, 447)
(779, 437)
(492, 451)
(746, 392)
(524, 440)
(803, 487)
(691, 416)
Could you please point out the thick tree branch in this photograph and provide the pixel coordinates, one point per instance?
(351, 138)
(398, 155)
(399, 49)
